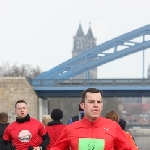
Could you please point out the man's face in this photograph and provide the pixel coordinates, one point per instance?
(93, 105)
(21, 110)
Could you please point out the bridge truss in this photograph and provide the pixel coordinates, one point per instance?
(119, 47)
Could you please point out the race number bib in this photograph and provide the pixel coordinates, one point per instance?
(91, 144)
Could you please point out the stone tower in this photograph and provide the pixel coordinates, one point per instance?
(82, 43)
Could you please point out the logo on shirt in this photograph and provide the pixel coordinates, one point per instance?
(24, 136)
(106, 129)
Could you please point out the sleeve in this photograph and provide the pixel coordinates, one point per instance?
(45, 137)
(121, 142)
(133, 144)
(42, 130)
(62, 142)
(45, 142)
(6, 135)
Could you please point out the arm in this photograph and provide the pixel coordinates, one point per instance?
(6, 136)
(121, 142)
(45, 137)
(63, 142)
(46, 141)
(133, 144)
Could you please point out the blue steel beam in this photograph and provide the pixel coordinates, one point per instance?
(99, 55)
(107, 93)
(82, 88)
(103, 84)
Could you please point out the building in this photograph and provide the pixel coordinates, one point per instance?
(82, 43)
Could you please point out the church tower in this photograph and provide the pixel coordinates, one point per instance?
(84, 42)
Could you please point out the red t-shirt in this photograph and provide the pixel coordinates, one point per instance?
(24, 135)
(54, 132)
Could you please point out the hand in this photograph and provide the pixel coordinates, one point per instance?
(36, 148)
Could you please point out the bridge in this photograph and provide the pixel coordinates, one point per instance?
(58, 84)
(58, 80)
(74, 87)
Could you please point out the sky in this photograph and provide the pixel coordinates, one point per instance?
(40, 33)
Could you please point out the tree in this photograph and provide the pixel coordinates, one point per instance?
(24, 70)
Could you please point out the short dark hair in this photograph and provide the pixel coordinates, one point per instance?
(90, 90)
(3, 117)
(20, 101)
(56, 114)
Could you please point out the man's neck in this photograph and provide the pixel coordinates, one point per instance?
(22, 120)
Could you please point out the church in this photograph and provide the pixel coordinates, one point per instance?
(83, 42)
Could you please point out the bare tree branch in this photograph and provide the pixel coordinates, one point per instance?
(25, 70)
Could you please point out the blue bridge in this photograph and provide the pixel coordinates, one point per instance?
(58, 81)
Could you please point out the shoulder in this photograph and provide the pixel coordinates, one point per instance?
(105, 120)
(128, 134)
(109, 122)
(11, 125)
(35, 120)
(74, 124)
(49, 128)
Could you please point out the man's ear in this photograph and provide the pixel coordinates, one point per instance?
(82, 105)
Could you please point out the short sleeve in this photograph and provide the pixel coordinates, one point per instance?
(6, 135)
(42, 130)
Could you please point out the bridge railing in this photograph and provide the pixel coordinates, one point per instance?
(96, 82)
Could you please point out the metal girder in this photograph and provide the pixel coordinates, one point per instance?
(106, 93)
(100, 55)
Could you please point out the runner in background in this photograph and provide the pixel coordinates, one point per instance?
(77, 117)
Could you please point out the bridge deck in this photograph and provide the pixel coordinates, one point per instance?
(110, 87)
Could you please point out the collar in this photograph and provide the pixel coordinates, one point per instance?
(52, 123)
(22, 120)
(94, 123)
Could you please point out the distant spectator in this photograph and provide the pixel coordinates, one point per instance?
(55, 127)
(3, 125)
(122, 124)
(113, 115)
(77, 117)
(46, 119)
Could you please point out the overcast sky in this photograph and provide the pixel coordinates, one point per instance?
(40, 32)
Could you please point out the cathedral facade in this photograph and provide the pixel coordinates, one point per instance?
(83, 42)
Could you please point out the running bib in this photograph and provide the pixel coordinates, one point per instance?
(91, 144)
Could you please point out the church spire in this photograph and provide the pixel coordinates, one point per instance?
(90, 33)
(80, 32)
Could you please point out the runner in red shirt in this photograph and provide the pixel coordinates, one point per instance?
(55, 127)
(26, 133)
(93, 132)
